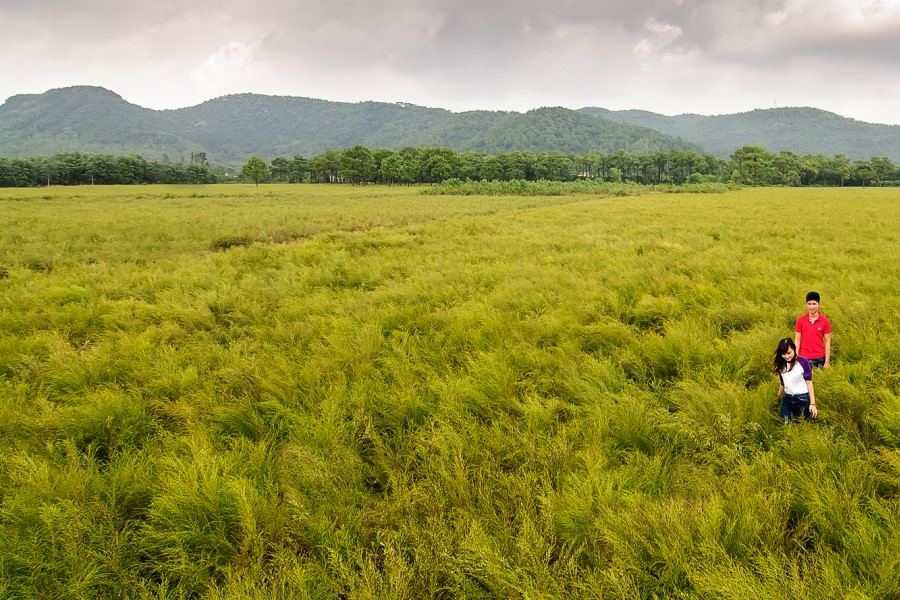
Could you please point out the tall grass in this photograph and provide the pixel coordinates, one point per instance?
(383, 394)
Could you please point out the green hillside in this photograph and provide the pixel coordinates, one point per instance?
(87, 119)
(563, 130)
(236, 126)
(800, 130)
(231, 128)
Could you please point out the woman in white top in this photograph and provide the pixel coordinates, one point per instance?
(796, 390)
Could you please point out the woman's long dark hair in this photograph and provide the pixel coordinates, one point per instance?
(782, 365)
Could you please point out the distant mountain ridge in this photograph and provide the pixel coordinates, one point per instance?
(801, 130)
(231, 128)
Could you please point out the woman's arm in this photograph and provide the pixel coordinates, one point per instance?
(813, 411)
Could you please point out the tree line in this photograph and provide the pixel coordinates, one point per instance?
(77, 168)
(749, 165)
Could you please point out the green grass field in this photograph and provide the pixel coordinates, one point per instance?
(326, 391)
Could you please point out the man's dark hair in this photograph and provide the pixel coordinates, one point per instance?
(813, 296)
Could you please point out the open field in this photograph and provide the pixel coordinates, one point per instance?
(324, 391)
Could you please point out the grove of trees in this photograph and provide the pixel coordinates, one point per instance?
(359, 165)
(749, 165)
(76, 168)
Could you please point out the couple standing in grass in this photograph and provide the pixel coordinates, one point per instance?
(795, 359)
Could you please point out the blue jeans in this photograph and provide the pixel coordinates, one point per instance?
(794, 406)
(817, 362)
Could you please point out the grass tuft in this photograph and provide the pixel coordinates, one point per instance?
(231, 241)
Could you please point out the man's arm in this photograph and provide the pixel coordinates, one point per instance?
(827, 349)
(797, 340)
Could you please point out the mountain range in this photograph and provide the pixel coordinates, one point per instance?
(799, 130)
(231, 128)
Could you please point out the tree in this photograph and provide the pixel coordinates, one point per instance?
(515, 165)
(600, 166)
(280, 169)
(438, 164)
(379, 157)
(882, 167)
(810, 167)
(680, 165)
(615, 174)
(863, 172)
(623, 163)
(326, 167)
(788, 166)
(392, 169)
(490, 168)
(255, 170)
(754, 164)
(410, 167)
(298, 168)
(469, 166)
(438, 168)
(841, 168)
(553, 166)
(358, 165)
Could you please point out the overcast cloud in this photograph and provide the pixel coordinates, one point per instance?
(667, 56)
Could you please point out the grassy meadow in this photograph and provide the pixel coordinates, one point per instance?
(367, 392)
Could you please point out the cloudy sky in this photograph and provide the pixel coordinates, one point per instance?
(667, 56)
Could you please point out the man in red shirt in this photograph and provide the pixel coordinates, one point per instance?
(812, 334)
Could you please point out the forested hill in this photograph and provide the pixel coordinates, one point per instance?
(236, 126)
(87, 119)
(800, 130)
(231, 128)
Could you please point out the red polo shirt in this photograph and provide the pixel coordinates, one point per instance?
(812, 335)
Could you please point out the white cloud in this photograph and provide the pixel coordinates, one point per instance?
(225, 63)
(657, 27)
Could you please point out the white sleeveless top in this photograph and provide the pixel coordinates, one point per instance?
(795, 379)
